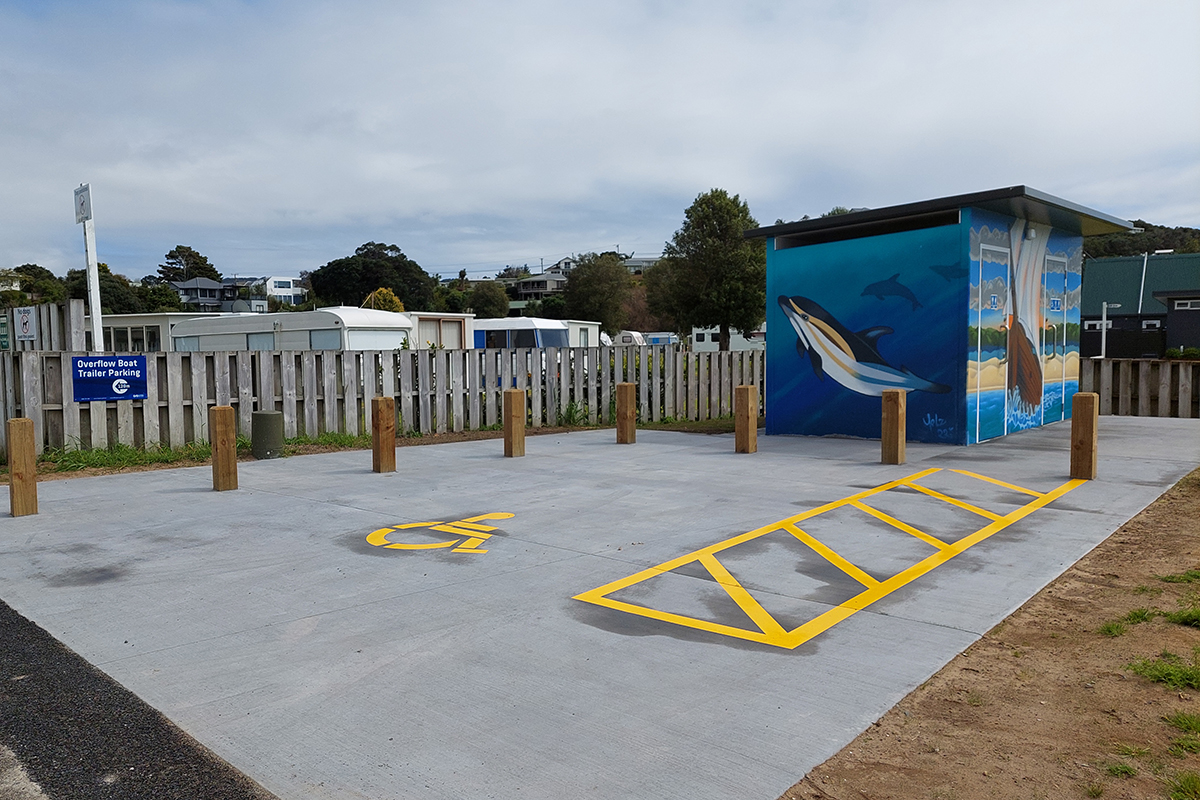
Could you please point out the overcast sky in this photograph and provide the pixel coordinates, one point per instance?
(276, 136)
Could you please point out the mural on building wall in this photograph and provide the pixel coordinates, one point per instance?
(1023, 326)
(862, 316)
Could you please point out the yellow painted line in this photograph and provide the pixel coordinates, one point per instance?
(831, 556)
(771, 632)
(757, 614)
(493, 515)
(1012, 486)
(417, 525)
(466, 550)
(904, 526)
(462, 523)
(675, 563)
(954, 501)
(434, 546)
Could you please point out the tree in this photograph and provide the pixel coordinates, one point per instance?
(347, 281)
(554, 306)
(383, 299)
(42, 285)
(489, 300)
(710, 275)
(1153, 237)
(597, 288)
(157, 298)
(117, 294)
(184, 263)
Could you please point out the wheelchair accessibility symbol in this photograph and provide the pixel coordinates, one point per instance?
(469, 534)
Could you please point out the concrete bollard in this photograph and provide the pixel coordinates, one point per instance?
(222, 435)
(895, 426)
(745, 419)
(22, 468)
(514, 423)
(383, 434)
(626, 414)
(1085, 426)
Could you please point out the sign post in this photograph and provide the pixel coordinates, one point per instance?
(83, 213)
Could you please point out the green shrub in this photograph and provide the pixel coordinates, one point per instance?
(1191, 352)
(1173, 352)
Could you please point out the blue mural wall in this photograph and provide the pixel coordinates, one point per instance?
(850, 319)
(864, 315)
(1023, 324)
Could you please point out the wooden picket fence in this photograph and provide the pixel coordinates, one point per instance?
(1142, 387)
(319, 391)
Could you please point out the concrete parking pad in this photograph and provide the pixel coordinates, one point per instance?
(283, 627)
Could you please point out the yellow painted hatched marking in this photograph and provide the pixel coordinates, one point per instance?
(770, 631)
(954, 501)
(901, 525)
(1012, 486)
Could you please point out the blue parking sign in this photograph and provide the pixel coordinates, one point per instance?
(96, 378)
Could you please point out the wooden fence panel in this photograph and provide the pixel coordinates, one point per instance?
(404, 374)
(350, 393)
(441, 379)
(1164, 388)
(424, 389)
(174, 402)
(70, 409)
(1185, 389)
(287, 389)
(329, 389)
(199, 396)
(151, 434)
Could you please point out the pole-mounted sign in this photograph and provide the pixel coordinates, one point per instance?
(83, 213)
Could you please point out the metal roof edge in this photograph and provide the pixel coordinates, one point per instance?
(981, 199)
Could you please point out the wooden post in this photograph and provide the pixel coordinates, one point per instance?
(626, 413)
(222, 432)
(1085, 423)
(745, 414)
(22, 467)
(383, 434)
(895, 426)
(514, 423)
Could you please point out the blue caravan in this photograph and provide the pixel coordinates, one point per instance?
(521, 332)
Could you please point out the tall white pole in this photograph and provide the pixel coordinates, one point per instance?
(83, 213)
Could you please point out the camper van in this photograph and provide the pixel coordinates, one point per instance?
(536, 332)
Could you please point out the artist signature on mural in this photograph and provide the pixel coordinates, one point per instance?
(938, 427)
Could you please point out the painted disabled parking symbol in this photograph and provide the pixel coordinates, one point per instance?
(469, 534)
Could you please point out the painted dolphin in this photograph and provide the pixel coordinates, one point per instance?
(950, 271)
(849, 358)
(892, 288)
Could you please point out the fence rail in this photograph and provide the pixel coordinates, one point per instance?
(319, 391)
(1142, 387)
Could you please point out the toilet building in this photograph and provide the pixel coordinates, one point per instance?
(970, 304)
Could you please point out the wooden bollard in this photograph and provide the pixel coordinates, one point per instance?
(1085, 425)
(895, 426)
(626, 414)
(22, 468)
(222, 434)
(514, 423)
(383, 434)
(745, 419)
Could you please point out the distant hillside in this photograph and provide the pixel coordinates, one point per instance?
(1156, 237)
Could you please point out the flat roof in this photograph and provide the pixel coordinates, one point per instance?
(1015, 201)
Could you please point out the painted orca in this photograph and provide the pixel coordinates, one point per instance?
(892, 288)
(851, 359)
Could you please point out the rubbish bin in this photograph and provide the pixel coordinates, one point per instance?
(266, 434)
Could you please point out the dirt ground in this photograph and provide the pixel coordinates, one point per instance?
(1044, 706)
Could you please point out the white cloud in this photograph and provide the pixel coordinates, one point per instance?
(288, 133)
